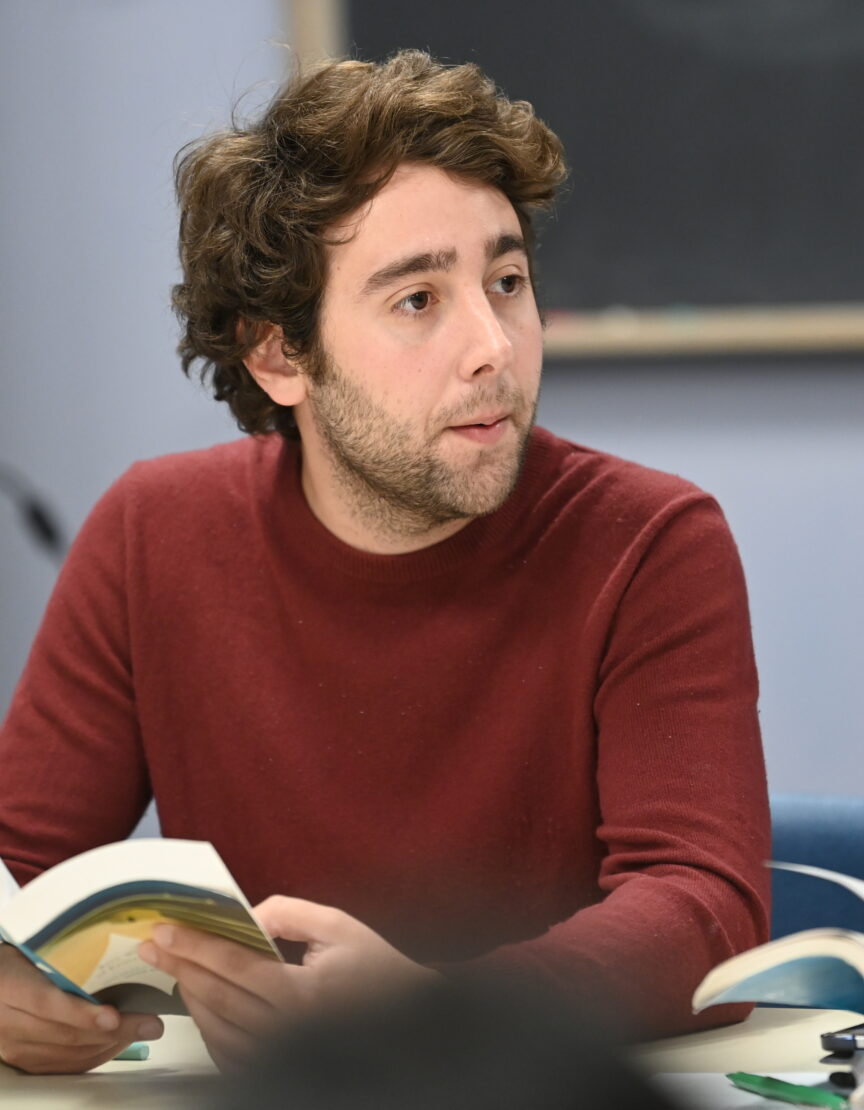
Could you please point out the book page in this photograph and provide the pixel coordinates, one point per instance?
(81, 922)
(856, 886)
(8, 886)
(192, 862)
(120, 963)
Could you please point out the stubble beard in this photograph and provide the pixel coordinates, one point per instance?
(403, 490)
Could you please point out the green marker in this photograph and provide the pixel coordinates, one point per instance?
(779, 1089)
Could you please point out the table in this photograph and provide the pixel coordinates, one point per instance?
(780, 1042)
(771, 1041)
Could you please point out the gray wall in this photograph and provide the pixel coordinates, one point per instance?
(96, 98)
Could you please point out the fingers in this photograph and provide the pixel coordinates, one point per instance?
(228, 978)
(218, 994)
(32, 1027)
(297, 919)
(345, 959)
(47, 1048)
(233, 993)
(228, 1044)
(45, 1030)
(28, 990)
(35, 1045)
(37, 1059)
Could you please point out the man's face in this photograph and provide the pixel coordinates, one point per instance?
(421, 405)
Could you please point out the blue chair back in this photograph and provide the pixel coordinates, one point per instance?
(825, 831)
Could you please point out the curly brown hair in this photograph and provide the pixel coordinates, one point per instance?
(256, 202)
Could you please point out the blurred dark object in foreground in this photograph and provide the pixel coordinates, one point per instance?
(459, 1046)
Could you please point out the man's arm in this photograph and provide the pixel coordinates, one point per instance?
(681, 789)
(74, 774)
(73, 777)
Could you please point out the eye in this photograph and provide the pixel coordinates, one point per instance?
(509, 284)
(414, 303)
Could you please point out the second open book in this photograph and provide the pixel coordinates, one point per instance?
(817, 967)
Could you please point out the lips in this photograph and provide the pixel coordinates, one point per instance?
(485, 430)
(482, 421)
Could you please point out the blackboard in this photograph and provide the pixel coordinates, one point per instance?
(716, 146)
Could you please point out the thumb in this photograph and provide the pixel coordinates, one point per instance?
(308, 922)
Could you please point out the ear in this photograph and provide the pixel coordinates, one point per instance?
(279, 377)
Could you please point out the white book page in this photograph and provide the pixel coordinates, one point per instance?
(8, 887)
(847, 881)
(194, 862)
(120, 963)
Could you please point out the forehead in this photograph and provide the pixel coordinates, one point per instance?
(421, 209)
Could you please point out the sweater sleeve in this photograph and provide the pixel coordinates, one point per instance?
(681, 787)
(73, 771)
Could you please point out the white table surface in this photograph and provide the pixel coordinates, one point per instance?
(783, 1043)
(771, 1039)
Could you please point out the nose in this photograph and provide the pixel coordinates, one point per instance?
(488, 348)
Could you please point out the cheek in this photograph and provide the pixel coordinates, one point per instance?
(528, 342)
(400, 383)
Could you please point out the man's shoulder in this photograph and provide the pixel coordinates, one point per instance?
(607, 481)
(220, 471)
(601, 508)
(205, 492)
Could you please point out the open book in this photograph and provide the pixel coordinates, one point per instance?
(82, 921)
(817, 967)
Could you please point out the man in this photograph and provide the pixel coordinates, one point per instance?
(488, 694)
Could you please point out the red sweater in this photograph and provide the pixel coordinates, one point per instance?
(535, 742)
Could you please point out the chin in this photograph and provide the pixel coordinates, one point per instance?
(483, 494)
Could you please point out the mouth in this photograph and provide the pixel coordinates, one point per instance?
(484, 429)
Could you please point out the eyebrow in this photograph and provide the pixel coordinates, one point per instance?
(437, 262)
(430, 261)
(505, 244)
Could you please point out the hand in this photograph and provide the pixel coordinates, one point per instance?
(236, 994)
(44, 1030)
(345, 960)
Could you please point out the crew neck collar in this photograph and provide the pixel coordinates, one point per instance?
(483, 537)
